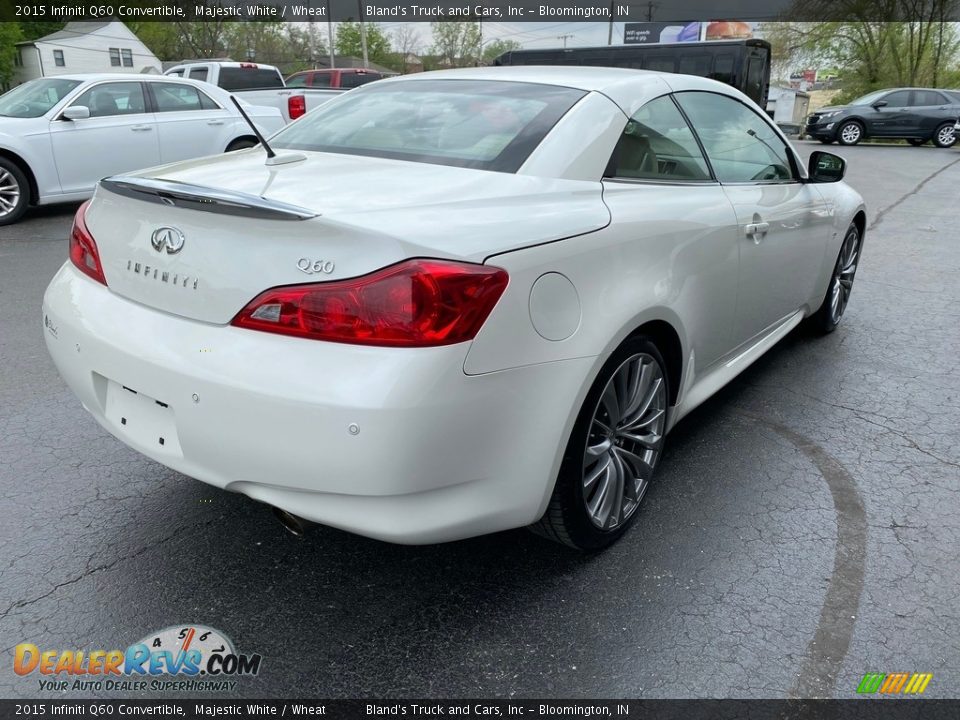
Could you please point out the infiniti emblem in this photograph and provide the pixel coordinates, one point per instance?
(167, 238)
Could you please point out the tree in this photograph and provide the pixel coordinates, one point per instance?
(348, 42)
(10, 34)
(406, 42)
(497, 48)
(456, 44)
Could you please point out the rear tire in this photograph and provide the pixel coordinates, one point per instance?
(241, 144)
(14, 192)
(850, 133)
(945, 135)
(613, 450)
(827, 317)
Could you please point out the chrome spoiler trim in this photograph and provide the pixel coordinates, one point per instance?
(204, 199)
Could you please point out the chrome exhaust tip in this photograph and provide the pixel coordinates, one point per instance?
(296, 526)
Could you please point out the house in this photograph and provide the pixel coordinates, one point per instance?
(348, 61)
(83, 47)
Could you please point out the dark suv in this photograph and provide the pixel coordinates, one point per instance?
(913, 114)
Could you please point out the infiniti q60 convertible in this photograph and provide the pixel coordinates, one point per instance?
(452, 303)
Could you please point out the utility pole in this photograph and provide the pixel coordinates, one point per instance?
(564, 38)
(333, 62)
(610, 28)
(650, 6)
(363, 35)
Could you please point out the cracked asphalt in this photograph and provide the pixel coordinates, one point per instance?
(803, 528)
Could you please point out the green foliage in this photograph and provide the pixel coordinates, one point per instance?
(456, 44)
(497, 48)
(34, 30)
(10, 33)
(349, 42)
(870, 55)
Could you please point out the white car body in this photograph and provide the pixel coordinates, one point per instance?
(276, 95)
(64, 159)
(430, 444)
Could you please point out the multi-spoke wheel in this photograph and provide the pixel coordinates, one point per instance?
(14, 192)
(945, 135)
(613, 450)
(850, 133)
(834, 304)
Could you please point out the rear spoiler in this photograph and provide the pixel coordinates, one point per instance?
(204, 199)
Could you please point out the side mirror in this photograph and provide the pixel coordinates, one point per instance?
(879, 104)
(826, 167)
(76, 112)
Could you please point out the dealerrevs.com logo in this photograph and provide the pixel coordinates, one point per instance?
(190, 658)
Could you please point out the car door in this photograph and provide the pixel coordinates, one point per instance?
(119, 136)
(677, 225)
(190, 123)
(782, 222)
(892, 119)
(929, 108)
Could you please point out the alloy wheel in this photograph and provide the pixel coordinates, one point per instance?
(946, 136)
(624, 441)
(9, 193)
(842, 283)
(850, 133)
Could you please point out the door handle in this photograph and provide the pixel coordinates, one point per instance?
(215, 122)
(142, 128)
(756, 230)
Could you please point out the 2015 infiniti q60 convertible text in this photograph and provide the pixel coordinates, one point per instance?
(452, 303)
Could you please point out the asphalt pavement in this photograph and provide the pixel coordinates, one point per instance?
(802, 531)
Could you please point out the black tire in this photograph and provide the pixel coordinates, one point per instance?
(942, 133)
(242, 144)
(855, 133)
(14, 192)
(916, 142)
(825, 319)
(567, 519)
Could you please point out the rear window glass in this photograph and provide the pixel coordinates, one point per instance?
(481, 124)
(241, 78)
(351, 80)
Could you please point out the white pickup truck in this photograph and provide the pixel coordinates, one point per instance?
(257, 84)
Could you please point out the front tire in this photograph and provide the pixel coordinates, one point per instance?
(945, 136)
(14, 192)
(828, 316)
(850, 133)
(613, 450)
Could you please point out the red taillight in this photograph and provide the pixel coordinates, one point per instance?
(296, 106)
(417, 303)
(83, 248)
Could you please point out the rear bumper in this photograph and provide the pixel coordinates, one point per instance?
(395, 444)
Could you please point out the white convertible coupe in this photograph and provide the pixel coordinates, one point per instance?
(452, 303)
(59, 135)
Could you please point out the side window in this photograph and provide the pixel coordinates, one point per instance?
(741, 145)
(297, 81)
(723, 68)
(657, 144)
(900, 98)
(174, 97)
(175, 73)
(321, 79)
(923, 98)
(118, 98)
(198, 73)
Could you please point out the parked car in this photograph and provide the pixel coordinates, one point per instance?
(483, 306)
(59, 135)
(913, 114)
(257, 84)
(335, 78)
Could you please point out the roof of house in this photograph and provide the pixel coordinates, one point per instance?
(70, 30)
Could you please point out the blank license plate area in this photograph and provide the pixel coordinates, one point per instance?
(144, 421)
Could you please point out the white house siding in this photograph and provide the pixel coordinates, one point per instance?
(86, 49)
